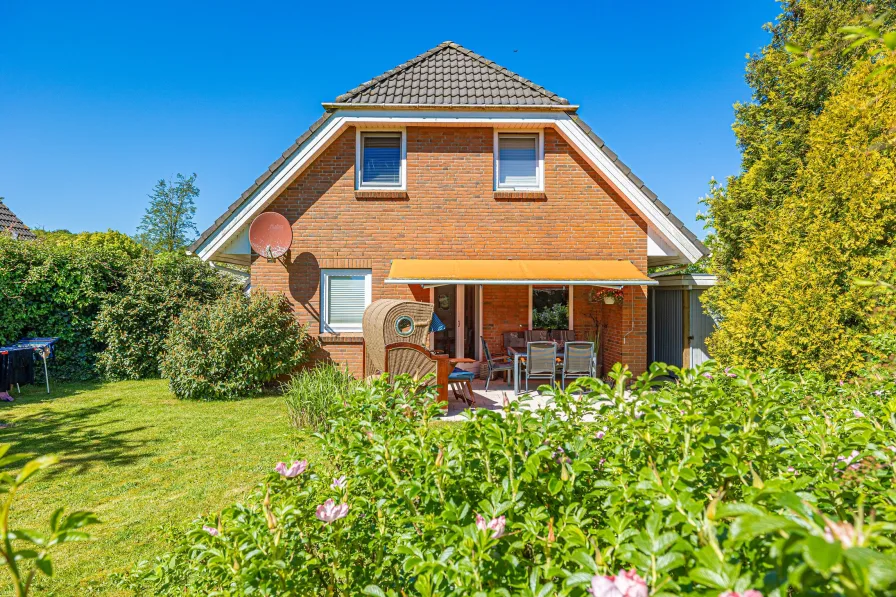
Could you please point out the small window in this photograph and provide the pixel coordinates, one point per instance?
(381, 160)
(518, 161)
(345, 293)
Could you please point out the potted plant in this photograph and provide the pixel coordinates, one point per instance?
(610, 296)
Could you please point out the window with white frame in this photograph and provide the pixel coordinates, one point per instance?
(381, 160)
(344, 294)
(518, 161)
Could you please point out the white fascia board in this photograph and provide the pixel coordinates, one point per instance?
(636, 197)
(608, 283)
(411, 117)
(272, 187)
(343, 118)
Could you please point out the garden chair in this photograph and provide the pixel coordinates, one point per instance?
(578, 361)
(496, 364)
(514, 340)
(462, 378)
(537, 336)
(541, 361)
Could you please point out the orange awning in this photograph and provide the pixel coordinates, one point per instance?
(431, 272)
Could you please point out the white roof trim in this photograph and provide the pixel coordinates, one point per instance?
(640, 201)
(562, 122)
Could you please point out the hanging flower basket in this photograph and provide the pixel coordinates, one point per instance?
(610, 296)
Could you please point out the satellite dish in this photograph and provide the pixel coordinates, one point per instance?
(270, 235)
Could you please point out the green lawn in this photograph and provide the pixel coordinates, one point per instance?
(143, 461)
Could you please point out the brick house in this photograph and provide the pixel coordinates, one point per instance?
(446, 160)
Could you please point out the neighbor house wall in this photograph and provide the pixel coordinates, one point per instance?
(450, 210)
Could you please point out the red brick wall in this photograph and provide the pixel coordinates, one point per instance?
(451, 211)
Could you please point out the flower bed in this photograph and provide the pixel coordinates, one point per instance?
(725, 483)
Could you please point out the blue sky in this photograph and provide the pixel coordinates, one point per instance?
(99, 100)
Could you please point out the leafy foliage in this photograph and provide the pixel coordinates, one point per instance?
(63, 529)
(168, 224)
(133, 323)
(551, 317)
(52, 288)
(725, 481)
(231, 347)
(312, 395)
(773, 130)
(792, 303)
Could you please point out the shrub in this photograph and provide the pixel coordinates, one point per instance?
(311, 395)
(134, 322)
(792, 302)
(230, 348)
(724, 481)
(56, 288)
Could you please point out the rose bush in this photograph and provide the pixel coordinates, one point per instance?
(726, 482)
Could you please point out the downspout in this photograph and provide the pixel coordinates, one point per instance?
(626, 335)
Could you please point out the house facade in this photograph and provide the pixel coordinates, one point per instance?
(452, 180)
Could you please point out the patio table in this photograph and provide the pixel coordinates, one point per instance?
(517, 354)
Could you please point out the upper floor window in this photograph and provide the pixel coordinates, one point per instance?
(345, 294)
(518, 161)
(381, 160)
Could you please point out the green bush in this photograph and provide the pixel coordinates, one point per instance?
(312, 395)
(56, 288)
(724, 481)
(134, 322)
(792, 303)
(233, 346)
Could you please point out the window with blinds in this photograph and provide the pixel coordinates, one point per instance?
(345, 295)
(380, 160)
(517, 161)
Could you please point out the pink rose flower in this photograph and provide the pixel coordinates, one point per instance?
(747, 593)
(298, 467)
(211, 531)
(329, 511)
(858, 414)
(625, 584)
(496, 525)
(338, 483)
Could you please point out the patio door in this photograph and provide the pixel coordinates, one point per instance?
(458, 308)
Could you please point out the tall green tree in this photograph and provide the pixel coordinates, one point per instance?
(793, 302)
(168, 224)
(772, 130)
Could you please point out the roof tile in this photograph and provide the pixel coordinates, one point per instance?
(12, 225)
(452, 75)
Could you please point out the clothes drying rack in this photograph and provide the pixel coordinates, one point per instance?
(45, 347)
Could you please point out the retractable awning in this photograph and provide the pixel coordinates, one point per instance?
(433, 272)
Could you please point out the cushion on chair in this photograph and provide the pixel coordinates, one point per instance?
(460, 375)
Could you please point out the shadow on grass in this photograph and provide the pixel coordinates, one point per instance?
(81, 435)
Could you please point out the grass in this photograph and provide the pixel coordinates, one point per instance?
(146, 463)
(312, 394)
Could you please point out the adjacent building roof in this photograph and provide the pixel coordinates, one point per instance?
(450, 75)
(12, 225)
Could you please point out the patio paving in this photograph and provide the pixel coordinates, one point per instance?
(493, 399)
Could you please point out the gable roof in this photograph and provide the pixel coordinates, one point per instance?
(12, 225)
(450, 75)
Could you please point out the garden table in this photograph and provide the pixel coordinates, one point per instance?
(517, 354)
